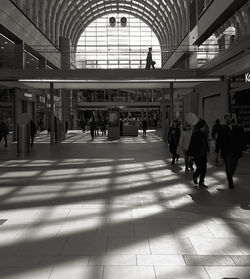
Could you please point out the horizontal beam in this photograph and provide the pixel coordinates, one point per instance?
(89, 105)
(106, 78)
(105, 75)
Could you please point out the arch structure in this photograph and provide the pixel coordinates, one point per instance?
(117, 45)
(168, 19)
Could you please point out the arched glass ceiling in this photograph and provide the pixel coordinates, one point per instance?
(119, 46)
(69, 18)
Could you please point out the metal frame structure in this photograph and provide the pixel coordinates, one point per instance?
(117, 46)
(68, 18)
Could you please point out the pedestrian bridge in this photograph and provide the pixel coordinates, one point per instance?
(105, 78)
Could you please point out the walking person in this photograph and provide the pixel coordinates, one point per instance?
(103, 127)
(230, 142)
(215, 132)
(149, 60)
(92, 128)
(216, 129)
(185, 139)
(40, 125)
(198, 149)
(83, 125)
(173, 140)
(144, 126)
(33, 131)
(4, 131)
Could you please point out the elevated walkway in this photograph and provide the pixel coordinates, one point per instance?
(104, 78)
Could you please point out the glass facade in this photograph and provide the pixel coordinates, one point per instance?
(117, 45)
(234, 31)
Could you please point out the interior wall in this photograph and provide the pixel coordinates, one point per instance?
(213, 101)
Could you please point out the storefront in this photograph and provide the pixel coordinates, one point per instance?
(240, 102)
(7, 107)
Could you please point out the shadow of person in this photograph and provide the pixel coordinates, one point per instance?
(238, 197)
(201, 196)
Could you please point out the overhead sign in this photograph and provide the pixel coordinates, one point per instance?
(247, 77)
(27, 94)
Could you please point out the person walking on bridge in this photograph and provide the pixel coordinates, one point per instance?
(149, 59)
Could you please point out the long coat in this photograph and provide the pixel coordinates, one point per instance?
(230, 141)
(198, 145)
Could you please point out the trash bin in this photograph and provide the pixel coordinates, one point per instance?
(23, 138)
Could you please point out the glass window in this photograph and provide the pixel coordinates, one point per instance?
(118, 46)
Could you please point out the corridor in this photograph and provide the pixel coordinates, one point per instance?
(119, 210)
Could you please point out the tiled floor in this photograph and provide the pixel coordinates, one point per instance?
(119, 209)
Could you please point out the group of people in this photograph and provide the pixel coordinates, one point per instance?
(94, 127)
(229, 142)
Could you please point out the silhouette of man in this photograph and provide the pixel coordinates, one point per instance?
(231, 143)
(149, 59)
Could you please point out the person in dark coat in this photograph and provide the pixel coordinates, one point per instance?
(231, 143)
(216, 129)
(83, 125)
(173, 140)
(144, 127)
(4, 131)
(149, 60)
(92, 128)
(103, 127)
(33, 131)
(198, 149)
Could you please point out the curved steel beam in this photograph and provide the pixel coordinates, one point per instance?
(70, 23)
(160, 32)
(103, 11)
(81, 30)
(78, 35)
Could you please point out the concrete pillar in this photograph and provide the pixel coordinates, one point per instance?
(65, 47)
(19, 56)
(171, 102)
(18, 63)
(52, 114)
(193, 61)
(164, 115)
(65, 65)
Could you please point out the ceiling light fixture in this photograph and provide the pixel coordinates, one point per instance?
(167, 80)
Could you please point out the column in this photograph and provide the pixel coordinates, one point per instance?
(171, 102)
(52, 120)
(65, 65)
(19, 64)
(164, 115)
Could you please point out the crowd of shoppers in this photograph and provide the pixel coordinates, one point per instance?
(229, 142)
